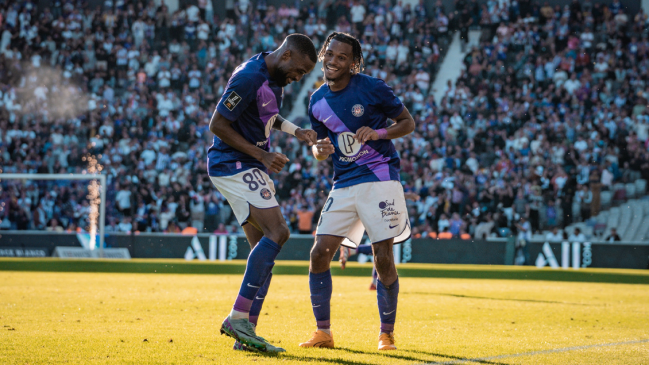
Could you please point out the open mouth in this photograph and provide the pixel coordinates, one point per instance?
(330, 69)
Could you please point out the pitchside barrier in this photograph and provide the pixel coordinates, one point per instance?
(566, 255)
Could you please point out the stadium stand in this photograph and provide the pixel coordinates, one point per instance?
(547, 122)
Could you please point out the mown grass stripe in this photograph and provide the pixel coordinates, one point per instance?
(174, 266)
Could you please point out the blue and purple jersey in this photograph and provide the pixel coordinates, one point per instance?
(251, 101)
(366, 101)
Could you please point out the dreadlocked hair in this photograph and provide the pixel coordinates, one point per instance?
(357, 53)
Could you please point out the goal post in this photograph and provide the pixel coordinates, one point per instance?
(102, 193)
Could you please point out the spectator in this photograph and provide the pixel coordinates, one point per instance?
(577, 236)
(613, 237)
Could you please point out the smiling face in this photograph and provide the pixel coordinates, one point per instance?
(292, 67)
(338, 61)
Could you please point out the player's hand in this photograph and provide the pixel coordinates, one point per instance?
(324, 148)
(411, 196)
(274, 161)
(307, 135)
(364, 134)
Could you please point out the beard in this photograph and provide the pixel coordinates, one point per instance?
(327, 81)
(280, 77)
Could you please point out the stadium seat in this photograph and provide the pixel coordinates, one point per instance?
(630, 190)
(640, 187)
(605, 198)
(643, 232)
(637, 216)
(625, 218)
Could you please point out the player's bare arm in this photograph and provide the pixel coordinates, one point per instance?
(322, 149)
(305, 135)
(221, 127)
(404, 125)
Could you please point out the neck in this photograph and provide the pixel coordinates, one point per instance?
(340, 83)
(271, 63)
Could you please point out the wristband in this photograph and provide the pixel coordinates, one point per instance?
(288, 127)
(383, 134)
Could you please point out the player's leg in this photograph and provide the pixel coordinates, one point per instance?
(321, 287)
(387, 291)
(382, 209)
(254, 235)
(338, 221)
(258, 268)
(251, 196)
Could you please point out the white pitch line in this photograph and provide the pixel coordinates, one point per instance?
(565, 349)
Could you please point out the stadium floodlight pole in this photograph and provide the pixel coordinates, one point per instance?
(102, 190)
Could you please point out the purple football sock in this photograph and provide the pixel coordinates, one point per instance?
(255, 309)
(321, 287)
(260, 263)
(364, 249)
(387, 300)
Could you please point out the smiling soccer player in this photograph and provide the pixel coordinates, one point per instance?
(239, 161)
(350, 113)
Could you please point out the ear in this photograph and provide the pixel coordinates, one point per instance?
(286, 55)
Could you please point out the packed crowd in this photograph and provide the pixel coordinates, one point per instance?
(550, 110)
(133, 86)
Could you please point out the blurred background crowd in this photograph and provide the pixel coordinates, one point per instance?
(549, 112)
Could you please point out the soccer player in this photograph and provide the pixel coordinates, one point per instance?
(350, 114)
(239, 161)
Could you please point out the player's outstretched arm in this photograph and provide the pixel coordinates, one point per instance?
(220, 126)
(404, 125)
(305, 135)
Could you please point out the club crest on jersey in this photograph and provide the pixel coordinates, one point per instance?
(358, 110)
(266, 194)
(232, 101)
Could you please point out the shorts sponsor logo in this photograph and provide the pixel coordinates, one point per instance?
(262, 143)
(391, 226)
(358, 110)
(232, 101)
(348, 145)
(266, 194)
(388, 208)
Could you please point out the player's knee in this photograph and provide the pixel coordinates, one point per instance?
(383, 259)
(319, 255)
(279, 234)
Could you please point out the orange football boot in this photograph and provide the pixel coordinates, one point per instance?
(320, 339)
(386, 341)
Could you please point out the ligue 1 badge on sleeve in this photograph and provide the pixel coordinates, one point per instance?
(232, 101)
(358, 110)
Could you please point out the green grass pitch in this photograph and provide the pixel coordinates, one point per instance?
(169, 312)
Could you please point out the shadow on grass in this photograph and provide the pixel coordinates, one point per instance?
(322, 360)
(505, 299)
(391, 354)
(456, 358)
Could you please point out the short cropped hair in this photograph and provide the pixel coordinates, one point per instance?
(302, 44)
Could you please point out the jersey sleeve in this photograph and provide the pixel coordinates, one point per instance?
(239, 93)
(317, 125)
(386, 101)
